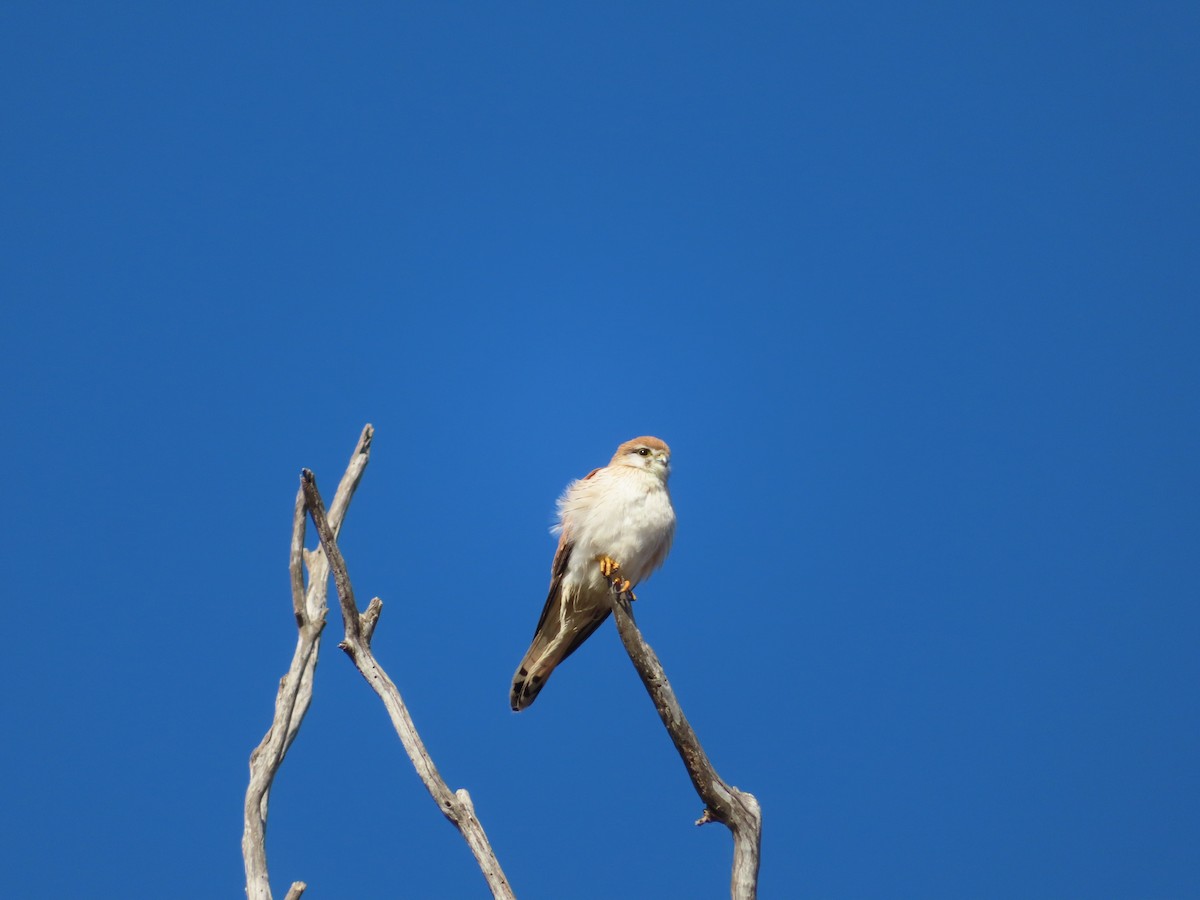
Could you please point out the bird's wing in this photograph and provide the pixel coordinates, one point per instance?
(558, 569)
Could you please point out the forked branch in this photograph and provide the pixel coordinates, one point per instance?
(737, 810)
(295, 688)
(455, 806)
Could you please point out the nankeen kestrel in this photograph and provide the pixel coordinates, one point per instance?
(615, 525)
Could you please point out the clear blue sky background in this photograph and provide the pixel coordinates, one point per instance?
(911, 292)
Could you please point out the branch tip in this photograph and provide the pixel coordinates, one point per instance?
(295, 688)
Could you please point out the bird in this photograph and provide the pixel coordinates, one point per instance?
(615, 528)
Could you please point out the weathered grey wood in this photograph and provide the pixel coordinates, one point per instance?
(737, 810)
(455, 805)
(295, 688)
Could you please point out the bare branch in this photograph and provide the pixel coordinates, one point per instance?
(455, 806)
(295, 688)
(737, 810)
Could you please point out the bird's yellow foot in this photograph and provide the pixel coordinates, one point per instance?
(611, 570)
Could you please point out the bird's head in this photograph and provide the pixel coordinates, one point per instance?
(647, 453)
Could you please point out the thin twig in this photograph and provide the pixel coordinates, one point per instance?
(455, 806)
(737, 810)
(295, 688)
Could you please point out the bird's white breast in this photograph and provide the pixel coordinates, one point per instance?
(620, 512)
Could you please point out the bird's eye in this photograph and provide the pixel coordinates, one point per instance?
(642, 451)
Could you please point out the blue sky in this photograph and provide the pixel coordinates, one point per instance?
(911, 292)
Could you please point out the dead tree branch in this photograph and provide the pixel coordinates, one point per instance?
(455, 806)
(737, 810)
(295, 688)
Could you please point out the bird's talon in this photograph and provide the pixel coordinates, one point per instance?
(611, 570)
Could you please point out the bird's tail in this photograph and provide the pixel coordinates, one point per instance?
(555, 640)
(533, 671)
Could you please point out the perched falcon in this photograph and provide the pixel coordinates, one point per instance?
(616, 524)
